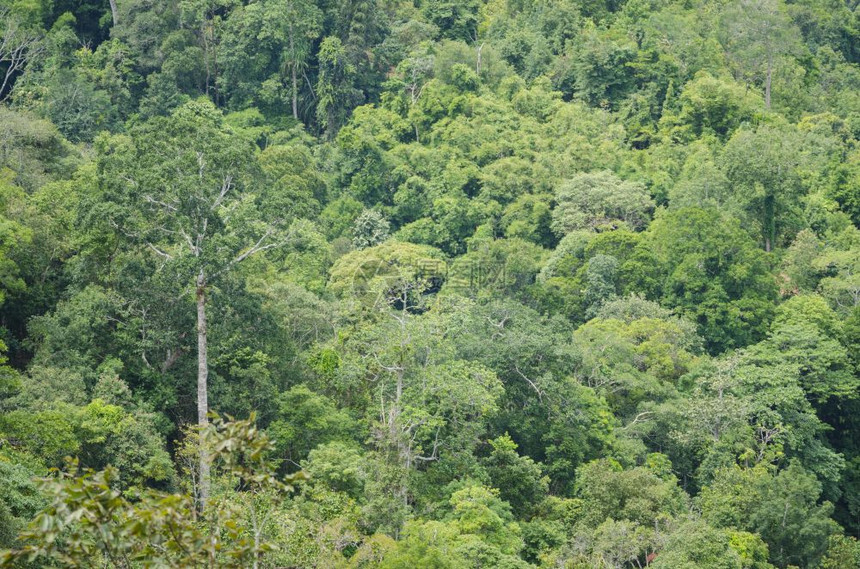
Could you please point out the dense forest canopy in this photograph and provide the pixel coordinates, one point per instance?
(445, 284)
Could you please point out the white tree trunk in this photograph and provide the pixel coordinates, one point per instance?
(113, 11)
(294, 64)
(202, 388)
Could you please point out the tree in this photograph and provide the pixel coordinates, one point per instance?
(518, 478)
(430, 406)
(757, 33)
(639, 495)
(593, 200)
(595, 67)
(362, 25)
(790, 519)
(77, 107)
(696, 544)
(81, 90)
(715, 275)
(18, 45)
(34, 150)
(600, 278)
(841, 552)
(306, 420)
(114, 12)
(302, 28)
(843, 186)
(455, 20)
(280, 33)
(12, 236)
(806, 336)
(184, 189)
(206, 18)
(784, 509)
(20, 499)
(710, 104)
(763, 166)
(839, 263)
(799, 259)
(10, 382)
(478, 531)
(335, 86)
(389, 274)
(100, 526)
(371, 228)
(623, 512)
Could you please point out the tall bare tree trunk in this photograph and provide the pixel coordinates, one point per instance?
(294, 65)
(113, 11)
(295, 95)
(206, 57)
(768, 80)
(202, 387)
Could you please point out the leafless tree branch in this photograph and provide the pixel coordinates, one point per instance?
(17, 47)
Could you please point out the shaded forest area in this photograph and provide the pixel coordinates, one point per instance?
(481, 283)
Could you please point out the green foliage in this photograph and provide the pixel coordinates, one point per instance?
(595, 200)
(765, 167)
(758, 35)
(841, 552)
(20, 499)
(518, 478)
(715, 276)
(336, 94)
(99, 433)
(306, 420)
(595, 68)
(808, 326)
(370, 229)
(518, 283)
(638, 495)
(711, 105)
(695, 544)
(783, 509)
(33, 149)
(479, 530)
(386, 272)
(88, 521)
(281, 34)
